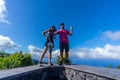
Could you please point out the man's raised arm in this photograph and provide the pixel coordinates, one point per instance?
(71, 30)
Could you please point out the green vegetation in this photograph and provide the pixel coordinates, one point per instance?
(111, 66)
(118, 67)
(18, 59)
(64, 60)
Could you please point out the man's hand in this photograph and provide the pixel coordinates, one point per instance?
(71, 28)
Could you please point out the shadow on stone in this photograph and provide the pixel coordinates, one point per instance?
(52, 73)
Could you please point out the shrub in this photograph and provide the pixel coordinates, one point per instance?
(15, 60)
(118, 67)
(64, 60)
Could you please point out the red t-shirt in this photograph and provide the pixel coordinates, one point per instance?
(63, 35)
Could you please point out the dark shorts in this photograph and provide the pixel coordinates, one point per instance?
(64, 46)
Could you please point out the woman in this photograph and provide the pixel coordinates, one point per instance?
(50, 35)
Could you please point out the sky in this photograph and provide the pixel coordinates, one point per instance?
(96, 26)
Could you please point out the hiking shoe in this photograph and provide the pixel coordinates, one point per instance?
(50, 64)
(39, 64)
(61, 63)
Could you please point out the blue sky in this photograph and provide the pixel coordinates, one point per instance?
(96, 24)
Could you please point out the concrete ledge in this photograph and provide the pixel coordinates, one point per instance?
(71, 72)
(16, 72)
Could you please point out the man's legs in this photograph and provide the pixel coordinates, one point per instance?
(67, 55)
(67, 50)
(61, 52)
(61, 55)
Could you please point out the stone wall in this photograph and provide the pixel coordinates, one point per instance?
(72, 72)
(80, 75)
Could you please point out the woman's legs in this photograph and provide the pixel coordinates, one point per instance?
(50, 54)
(45, 50)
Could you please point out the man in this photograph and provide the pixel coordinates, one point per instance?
(64, 43)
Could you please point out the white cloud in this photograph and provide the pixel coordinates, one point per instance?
(7, 43)
(3, 12)
(105, 37)
(112, 35)
(35, 51)
(106, 52)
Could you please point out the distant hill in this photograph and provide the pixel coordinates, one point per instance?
(35, 61)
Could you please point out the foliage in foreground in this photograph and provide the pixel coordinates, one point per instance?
(15, 60)
(64, 60)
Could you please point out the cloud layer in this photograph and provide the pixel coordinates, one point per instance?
(36, 52)
(106, 52)
(112, 35)
(3, 12)
(7, 43)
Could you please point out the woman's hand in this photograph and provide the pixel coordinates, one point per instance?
(54, 37)
(43, 33)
